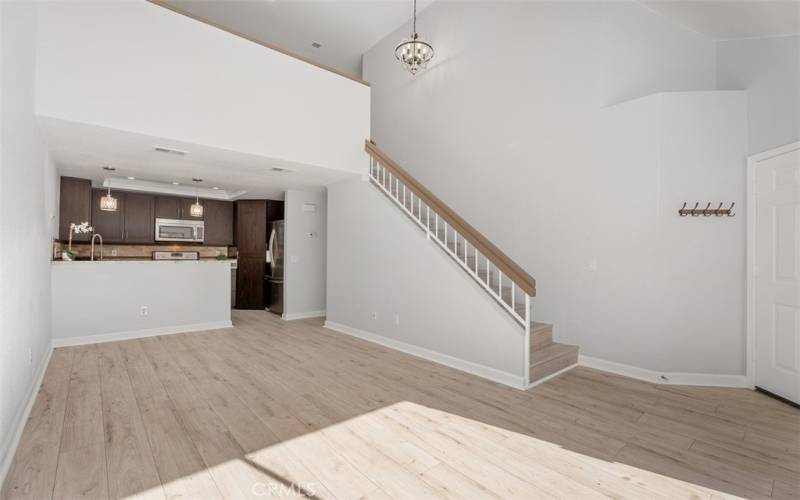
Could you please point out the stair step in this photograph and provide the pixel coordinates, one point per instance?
(541, 336)
(551, 359)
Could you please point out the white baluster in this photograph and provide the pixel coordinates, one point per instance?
(428, 220)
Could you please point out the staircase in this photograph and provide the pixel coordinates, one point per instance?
(505, 281)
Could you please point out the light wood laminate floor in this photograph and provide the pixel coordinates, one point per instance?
(271, 408)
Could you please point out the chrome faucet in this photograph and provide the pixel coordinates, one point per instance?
(97, 235)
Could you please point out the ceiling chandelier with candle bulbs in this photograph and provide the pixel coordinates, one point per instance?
(413, 52)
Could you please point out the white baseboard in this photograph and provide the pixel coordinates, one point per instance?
(670, 378)
(304, 315)
(21, 418)
(137, 334)
(486, 372)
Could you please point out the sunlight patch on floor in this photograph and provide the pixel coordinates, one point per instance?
(407, 450)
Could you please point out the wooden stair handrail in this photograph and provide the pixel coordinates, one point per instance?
(475, 238)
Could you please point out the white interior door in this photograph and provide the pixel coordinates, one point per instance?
(777, 274)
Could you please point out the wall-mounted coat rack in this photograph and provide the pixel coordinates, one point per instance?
(707, 212)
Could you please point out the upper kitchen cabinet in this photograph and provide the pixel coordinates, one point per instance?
(75, 206)
(108, 224)
(174, 207)
(139, 218)
(132, 222)
(218, 222)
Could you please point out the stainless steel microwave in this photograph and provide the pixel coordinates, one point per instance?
(180, 230)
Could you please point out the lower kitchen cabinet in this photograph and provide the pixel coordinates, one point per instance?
(250, 282)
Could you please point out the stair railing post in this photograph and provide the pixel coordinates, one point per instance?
(527, 373)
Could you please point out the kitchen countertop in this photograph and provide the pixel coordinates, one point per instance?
(141, 259)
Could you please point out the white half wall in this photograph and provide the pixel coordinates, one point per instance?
(389, 284)
(306, 214)
(28, 187)
(138, 67)
(769, 70)
(103, 300)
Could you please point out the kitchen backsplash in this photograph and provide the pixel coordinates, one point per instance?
(111, 251)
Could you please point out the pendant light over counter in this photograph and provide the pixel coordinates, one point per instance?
(196, 210)
(413, 52)
(108, 203)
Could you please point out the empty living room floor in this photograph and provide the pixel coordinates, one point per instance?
(274, 409)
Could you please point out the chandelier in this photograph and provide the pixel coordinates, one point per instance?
(413, 52)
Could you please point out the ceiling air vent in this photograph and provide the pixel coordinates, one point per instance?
(162, 149)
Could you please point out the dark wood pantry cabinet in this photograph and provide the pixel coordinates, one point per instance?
(250, 229)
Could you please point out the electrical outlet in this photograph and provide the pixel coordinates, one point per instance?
(374, 315)
(144, 311)
(113, 252)
(397, 319)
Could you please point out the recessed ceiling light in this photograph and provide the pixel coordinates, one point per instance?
(316, 45)
(164, 149)
(215, 187)
(109, 169)
(175, 183)
(131, 178)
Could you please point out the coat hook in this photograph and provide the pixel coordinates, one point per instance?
(719, 210)
(730, 210)
(695, 212)
(682, 211)
(706, 211)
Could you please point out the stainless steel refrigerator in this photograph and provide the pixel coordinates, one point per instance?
(275, 265)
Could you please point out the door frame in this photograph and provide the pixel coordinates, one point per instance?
(753, 162)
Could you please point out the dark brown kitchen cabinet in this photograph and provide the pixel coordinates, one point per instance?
(250, 282)
(109, 225)
(138, 218)
(132, 222)
(175, 207)
(168, 207)
(250, 228)
(218, 222)
(274, 210)
(75, 206)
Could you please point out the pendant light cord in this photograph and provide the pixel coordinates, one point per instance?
(415, 17)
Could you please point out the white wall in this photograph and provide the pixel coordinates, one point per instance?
(667, 293)
(380, 262)
(769, 69)
(27, 187)
(96, 301)
(138, 67)
(305, 243)
(507, 128)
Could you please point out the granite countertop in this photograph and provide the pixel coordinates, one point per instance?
(144, 259)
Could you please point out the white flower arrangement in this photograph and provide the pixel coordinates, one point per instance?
(81, 228)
